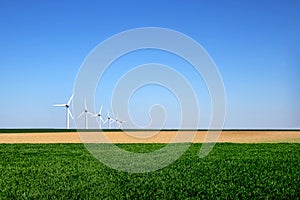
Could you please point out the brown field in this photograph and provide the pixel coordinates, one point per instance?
(151, 137)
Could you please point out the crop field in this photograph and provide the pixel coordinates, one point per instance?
(230, 171)
(148, 136)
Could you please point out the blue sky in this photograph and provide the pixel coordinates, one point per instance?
(255, 45)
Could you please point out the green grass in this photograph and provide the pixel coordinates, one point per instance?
(231, 171)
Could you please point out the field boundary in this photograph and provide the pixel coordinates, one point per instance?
(54, 130)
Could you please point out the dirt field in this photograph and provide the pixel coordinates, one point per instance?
(152, 137)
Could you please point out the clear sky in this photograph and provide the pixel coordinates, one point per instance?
(255, 44)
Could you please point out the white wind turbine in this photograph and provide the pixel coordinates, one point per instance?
(68, 112)
(108, 120)
(86, 114)
(99, 115)
(119, 123)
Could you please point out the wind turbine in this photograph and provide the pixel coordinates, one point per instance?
(119, 122)
(68, 112)
(86, 114)
(100, 117)
(108, 120)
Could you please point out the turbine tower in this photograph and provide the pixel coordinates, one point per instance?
(68, 112)
(86, 114)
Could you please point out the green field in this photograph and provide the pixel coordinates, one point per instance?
(68, 171)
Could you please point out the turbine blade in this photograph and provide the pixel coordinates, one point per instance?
(69, 112)
(59, 105)
(100, 109)
(80, 115)
(70, 99)
(85, 106)
(92, 114)
(102, 120)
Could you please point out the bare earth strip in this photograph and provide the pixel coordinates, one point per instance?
(151, 137)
